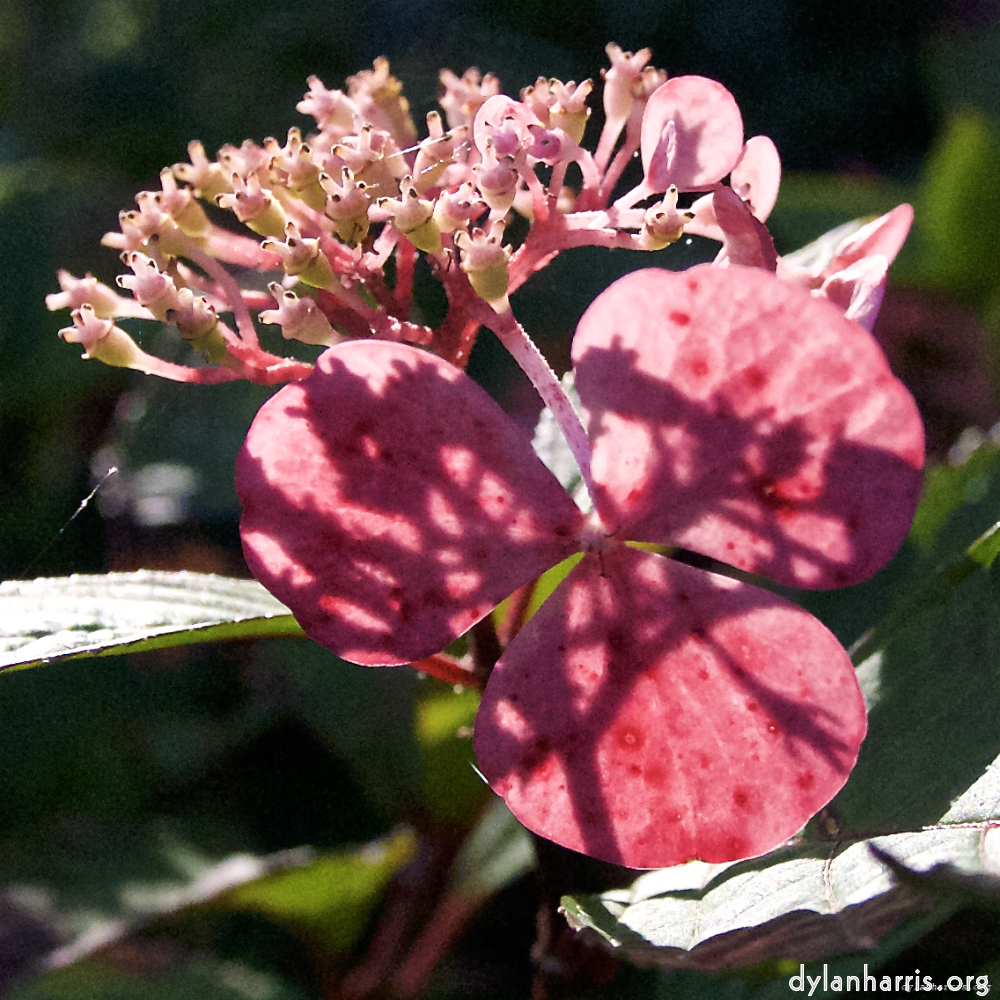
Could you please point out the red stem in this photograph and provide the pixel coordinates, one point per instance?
(451, 671)
(406, 258)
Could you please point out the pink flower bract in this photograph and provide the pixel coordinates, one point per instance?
(692, 134)
(650, 713)
(391, 504)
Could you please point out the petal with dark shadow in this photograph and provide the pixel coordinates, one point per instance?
(391, 504)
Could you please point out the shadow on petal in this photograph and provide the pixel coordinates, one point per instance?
(391, 504)
(740, 417)
(651, 714)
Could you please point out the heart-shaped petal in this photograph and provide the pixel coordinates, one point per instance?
(704, 142)
(743, 418)
(391, 504)
(651, 713)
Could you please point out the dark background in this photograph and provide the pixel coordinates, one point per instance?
(96, 96)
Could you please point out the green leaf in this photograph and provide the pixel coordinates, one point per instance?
(496, 853)
(324, 897)
(804, 901)
(965, 493)
(161, 977)
(452, 789)
(958, 211)
(331, 899)
(65, 618)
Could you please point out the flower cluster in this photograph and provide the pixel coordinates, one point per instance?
(650, 712)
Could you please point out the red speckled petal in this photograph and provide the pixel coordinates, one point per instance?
(743, 418)
(651, 713)
(391, 504)
(705, 142)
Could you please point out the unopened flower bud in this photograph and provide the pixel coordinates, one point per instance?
(413, 217)
(379, 97)
(302, 258)
(464, 96)
(435, 153)
(193, 315)
(293, 167)
(254, 206)
(205, 176)
(347, 205)
(559, 105)
(180, 204)
(150, 225)
(547, 146)
(663, 224)
(157, 223)
(364, 155)
(154, 289)
(101, 339)
(299, 318)
(485, 261)
(457, 207)
(538, 98)
(333, 110)
(622, 83)
(570, 112)
(497, 180)
(243, 160)
(76, 291)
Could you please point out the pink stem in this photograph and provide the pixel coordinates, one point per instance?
(560, 233)
(606, 144)
(539, 199)
(615, 171)
(406, 258)
(451, 671)
(557, 180)
(633, 197)
(244, 322)
(150, 365)
(235, 248)
(523, 350)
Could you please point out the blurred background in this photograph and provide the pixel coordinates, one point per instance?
(118, 774)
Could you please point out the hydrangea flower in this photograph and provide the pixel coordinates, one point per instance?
(650, 712)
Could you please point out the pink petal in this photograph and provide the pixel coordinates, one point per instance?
(501, 114)
(745, 240)
(391, 504)
(884, 235)
(858, 289)
(707, 134)
(651, 713)
(757, 175)
(738, 416)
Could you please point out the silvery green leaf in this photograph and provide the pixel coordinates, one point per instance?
(52, 619)
(805, 901)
